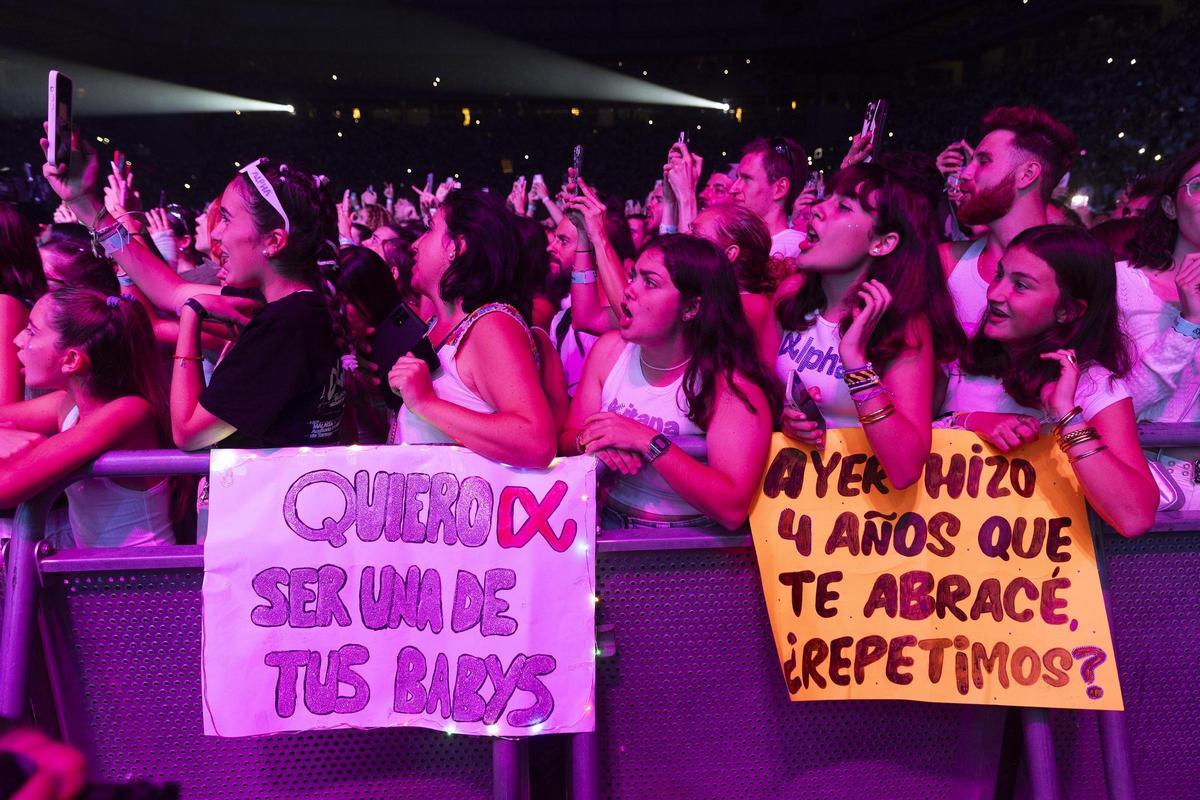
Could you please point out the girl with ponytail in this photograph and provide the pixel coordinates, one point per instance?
(281, 383)
(97, 353)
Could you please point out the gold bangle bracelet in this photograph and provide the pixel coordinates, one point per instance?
(188, 358)
(1065, 419)
(876, 416)
(1091, 452)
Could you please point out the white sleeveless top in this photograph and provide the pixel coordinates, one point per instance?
(103, 513)
(448, 385)
(627, 392)
(968, 289)
(811, 357)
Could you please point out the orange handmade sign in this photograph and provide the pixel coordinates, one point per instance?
(978, 584)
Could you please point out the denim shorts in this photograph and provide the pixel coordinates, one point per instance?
(612, 518)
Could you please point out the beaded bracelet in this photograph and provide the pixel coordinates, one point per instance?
(879, 391)
(861, 379)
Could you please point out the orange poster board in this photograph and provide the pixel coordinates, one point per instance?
(978, 584)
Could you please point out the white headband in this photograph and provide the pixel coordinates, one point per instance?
(265, 189)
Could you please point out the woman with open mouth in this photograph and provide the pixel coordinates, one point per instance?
(860, 328)
(682, 363)
(1048, 354)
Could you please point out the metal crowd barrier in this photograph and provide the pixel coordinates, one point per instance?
(691, 704)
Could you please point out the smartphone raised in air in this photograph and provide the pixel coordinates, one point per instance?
(875, 119)
(58, 117)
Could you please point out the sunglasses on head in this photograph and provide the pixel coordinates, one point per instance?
(780, 146)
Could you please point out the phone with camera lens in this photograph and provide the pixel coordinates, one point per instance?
(874, 122)
(401, 333)
(58, 117)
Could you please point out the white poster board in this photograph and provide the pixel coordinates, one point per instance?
(398, 585)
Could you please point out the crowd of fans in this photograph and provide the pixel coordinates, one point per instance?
(666, 335)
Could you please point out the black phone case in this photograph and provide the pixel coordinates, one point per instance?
(401, 333)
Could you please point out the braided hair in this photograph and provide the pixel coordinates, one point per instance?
(310, 254)
(310, 257)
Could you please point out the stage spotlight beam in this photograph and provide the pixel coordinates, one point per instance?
(103, 92)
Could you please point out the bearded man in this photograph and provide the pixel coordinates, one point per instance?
(1005, 188)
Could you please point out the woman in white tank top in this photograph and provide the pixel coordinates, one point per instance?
(866, 321)
(682, 363)
(1048, 355)
(487, 394)
(99, 354)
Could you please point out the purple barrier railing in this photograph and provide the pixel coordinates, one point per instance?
(509, 764)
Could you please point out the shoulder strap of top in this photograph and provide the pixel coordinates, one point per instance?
(71, 419)
(560, 330)
(976, 248)
(465, 326)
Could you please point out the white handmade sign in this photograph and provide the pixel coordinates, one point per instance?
(398, 585)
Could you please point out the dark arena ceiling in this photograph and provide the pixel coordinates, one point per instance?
(288, 49)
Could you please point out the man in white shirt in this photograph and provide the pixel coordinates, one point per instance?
(770, 175)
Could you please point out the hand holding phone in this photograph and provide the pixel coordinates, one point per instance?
(58, 118)
(401, 333)
(874, 122)
(577, 167)
(801, 399)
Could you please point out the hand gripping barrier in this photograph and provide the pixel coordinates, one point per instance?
(691, 592)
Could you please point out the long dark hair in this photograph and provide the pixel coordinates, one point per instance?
(617, 228)
(397, 253)
(20, 265)
(535, 260)
(911, 272)
(1084, 271)
(489, 268)
(1154, 246)
(116, 334)
(363, 279)
(718, 338)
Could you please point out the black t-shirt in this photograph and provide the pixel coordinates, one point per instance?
(281, 384)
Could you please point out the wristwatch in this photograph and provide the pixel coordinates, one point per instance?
(658, 445)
